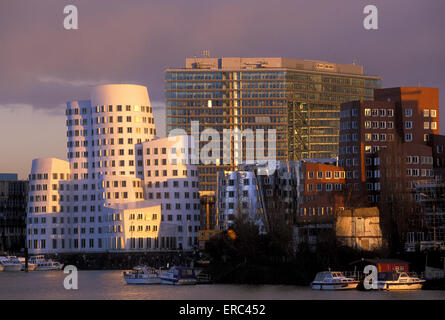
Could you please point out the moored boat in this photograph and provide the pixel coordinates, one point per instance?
(179, 275)
(43, 264)
(333, 280)
(142, 275)
(10, 265)
(399, 281)
(21, 260)
(31, 266)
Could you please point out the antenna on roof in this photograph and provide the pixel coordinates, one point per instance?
(206, 53)
(354, 62)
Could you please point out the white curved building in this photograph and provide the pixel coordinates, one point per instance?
(100, 200)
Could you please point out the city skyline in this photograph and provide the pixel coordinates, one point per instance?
(44, 66)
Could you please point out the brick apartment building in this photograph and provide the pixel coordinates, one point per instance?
(396, 131)
(322, 196)
(387, 147)
(323, 186)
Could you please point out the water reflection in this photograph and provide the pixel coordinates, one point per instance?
(110, 285)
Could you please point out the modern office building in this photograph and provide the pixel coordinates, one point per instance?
(239, 195)
(121, 188)
(303, 193)
(300, 99)
(265, 199)
(13, 198)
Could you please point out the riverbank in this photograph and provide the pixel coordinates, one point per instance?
(122, 261)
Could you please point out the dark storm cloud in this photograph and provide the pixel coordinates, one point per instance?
(43, 65)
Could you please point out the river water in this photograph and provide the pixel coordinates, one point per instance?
(111, 285)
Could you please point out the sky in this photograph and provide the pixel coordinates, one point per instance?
(42, 65)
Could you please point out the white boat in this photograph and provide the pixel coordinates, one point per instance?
(399, 281)
(333, 280)
(179, 276)
(31, 266)
(142, 275)
(10, 265)
(43, 264)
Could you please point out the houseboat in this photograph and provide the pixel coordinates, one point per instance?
(179, 276)
(333, 280)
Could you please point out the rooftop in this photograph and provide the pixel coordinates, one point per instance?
(9, 177)
(239, 63)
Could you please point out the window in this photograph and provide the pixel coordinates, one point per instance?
(433, 125)
(367, 137)
(408, 137)
(408, 112)
(433, 113)
(390, 112)
(367, 112)
(426, 113)
(408, 124)
(426, 125)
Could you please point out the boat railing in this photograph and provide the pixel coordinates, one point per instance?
(356, 275)
(415, 275)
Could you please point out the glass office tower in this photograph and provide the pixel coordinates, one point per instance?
(300, 99)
